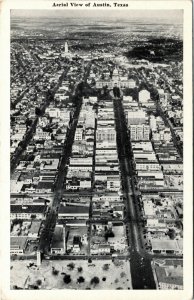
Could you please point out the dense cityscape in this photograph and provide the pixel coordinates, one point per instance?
(96, 142)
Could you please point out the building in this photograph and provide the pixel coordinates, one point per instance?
(106, 133)
(101, 249)
(73, 212)
(79, 134)
(136, 117)
(66, 48)
(132, 83)
(144, 96)
(166, 246)
(168, 274)
(139, 132)
(118, 79)
(76, 238)
(27, 212)
(58, 241)
(153, 122)
(44, 187)
(18, 245)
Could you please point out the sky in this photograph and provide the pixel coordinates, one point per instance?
(151, 16)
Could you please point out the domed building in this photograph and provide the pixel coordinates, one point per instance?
(115, 75)
(117, 79)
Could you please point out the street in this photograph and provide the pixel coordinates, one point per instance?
(141, 271)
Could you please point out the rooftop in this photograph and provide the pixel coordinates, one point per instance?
(163, 244)
(18, 242)
(58, 237)
(73, 209)
(169, 275)
(28, 209)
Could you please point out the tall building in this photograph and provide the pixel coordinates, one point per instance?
(115, 75)
(136, 117)
(153, 122)
(105, 133)
(66, 48)
(38, 258)
(140, 132)
(144, 96)
(132, 83)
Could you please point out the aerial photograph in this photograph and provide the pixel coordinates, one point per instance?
(96, 149)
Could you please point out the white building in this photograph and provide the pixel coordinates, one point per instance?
(139, 132)
(144, 96)
(136, 117)
(153, 122)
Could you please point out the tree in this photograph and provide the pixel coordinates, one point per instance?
(39, 282)
(171, 233)
(105, 267)
(58, 131)
(28, 122)
(95, 280)
(38, 111)
(31, 157)
(80, 279)
(80, 269)
(71, 266)
(123, 274)
(67, 278)
(55, 272)
(108, 233)
(116, 92)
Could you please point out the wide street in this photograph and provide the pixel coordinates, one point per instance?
(51, 218)
(47, 233)
(141, 271)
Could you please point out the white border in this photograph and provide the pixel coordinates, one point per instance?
(6, 293)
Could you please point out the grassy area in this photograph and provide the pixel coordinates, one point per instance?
(50, 275)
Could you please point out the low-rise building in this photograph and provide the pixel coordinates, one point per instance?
(73, 212)
(58, 240)
(168, 274)
(166, 246)
(18, 244)
(28, 211)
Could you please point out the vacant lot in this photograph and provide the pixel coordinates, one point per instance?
(51, 274)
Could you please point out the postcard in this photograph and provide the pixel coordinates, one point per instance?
(96, 149)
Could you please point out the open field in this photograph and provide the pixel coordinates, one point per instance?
(110, 276)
